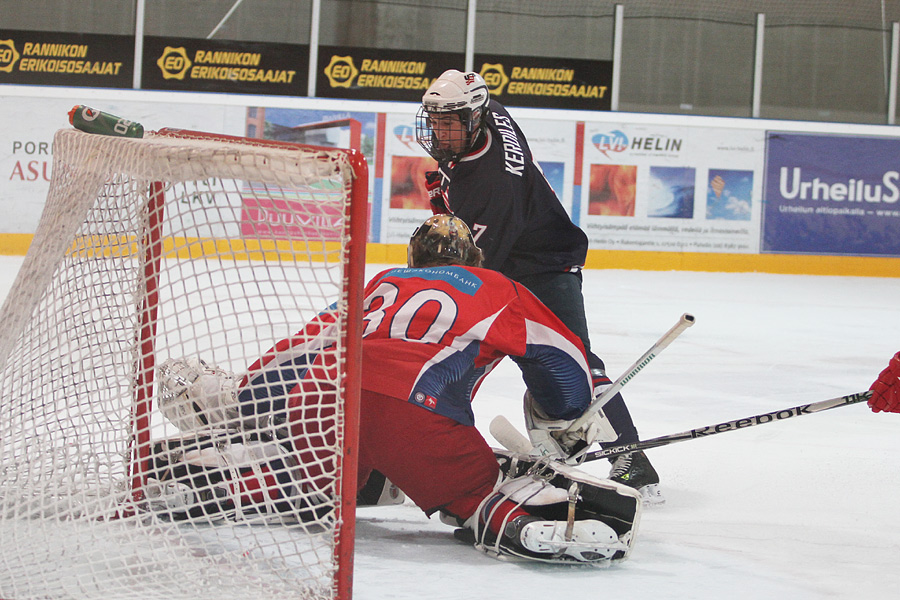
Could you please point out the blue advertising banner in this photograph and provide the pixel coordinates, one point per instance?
(831, 194)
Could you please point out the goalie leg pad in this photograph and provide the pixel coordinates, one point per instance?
(611, 502)
(572, 516)
(219, 477)
(584, 541)
(379, 491)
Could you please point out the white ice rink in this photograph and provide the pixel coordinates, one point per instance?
(803, 509)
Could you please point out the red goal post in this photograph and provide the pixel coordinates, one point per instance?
(182, 243)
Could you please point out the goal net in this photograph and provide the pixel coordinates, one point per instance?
(161, 264)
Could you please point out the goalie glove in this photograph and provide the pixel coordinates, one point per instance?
(194, 395)
(540, 428)
(886, 389)
(553, 437)
(597, 429)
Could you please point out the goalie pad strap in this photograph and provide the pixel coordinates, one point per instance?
(613, 503)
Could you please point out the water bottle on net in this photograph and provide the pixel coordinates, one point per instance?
(96, 121)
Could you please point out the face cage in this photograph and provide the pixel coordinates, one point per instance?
(425, 135)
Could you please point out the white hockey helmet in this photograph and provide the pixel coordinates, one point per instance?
(462, 95)
(443, 240)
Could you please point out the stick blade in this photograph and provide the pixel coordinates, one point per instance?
(509, 437)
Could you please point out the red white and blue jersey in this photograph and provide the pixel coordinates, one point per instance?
(431, 335)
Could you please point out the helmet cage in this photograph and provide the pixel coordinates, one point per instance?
(464, 96)
(460, 143)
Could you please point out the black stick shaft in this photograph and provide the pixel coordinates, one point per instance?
(770, 417)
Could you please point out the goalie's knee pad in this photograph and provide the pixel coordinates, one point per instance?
(215, 477)
(571, 516)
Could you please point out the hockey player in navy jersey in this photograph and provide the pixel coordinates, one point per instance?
(487, 178)
(432, 332)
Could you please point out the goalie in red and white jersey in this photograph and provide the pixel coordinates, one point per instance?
(432, 332)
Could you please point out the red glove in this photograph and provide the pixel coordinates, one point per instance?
(433, 186)
(886, 389)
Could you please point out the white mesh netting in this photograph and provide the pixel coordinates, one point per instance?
(97, 496)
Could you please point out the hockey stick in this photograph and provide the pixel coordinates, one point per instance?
(505, 433)
(770, 417)
(668, 337)
(510, 437)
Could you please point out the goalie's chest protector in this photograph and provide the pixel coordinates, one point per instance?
(431, 335)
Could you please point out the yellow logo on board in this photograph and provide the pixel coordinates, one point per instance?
(495, 77)
(341, 71)
(174, 63)
(8, 56)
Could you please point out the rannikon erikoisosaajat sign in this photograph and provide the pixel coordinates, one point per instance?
(224, 66)
(374, 74)
(68, 59)
(547, 82)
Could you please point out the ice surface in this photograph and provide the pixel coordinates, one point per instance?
(801, 509)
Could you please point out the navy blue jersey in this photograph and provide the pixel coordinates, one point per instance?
(504, 198)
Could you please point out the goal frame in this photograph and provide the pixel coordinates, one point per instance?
(350, 287)
(356, 230)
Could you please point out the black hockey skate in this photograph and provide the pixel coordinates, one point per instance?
(635, 470)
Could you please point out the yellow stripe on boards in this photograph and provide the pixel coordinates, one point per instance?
(16, 244)
(795, 264)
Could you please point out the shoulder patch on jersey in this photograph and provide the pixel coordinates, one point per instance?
(425, 400)
(463, 280)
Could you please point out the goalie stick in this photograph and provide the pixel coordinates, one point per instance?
(505, 433)
(685, 321)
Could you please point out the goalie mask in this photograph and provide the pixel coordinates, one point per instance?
(452, 115)
(443, 240)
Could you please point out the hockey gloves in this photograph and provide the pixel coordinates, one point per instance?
(433, 186)
(194, 395)
(553, 436)
(886, 389)
(596, 429)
